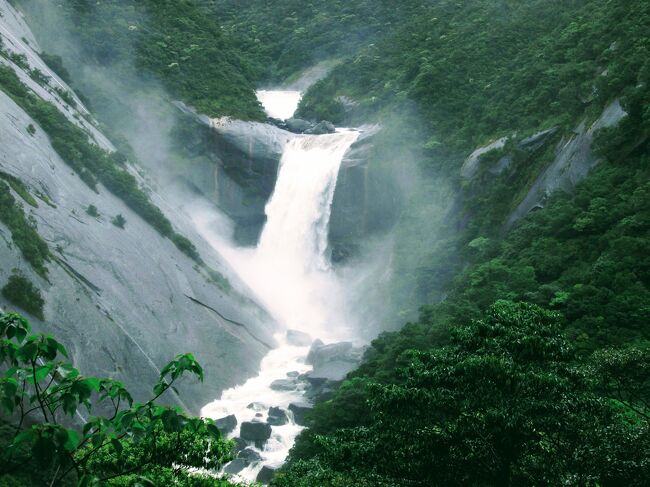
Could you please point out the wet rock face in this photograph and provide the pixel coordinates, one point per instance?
(367, 199)
(265, 475)
(227, 424)
(574, 158)
(277, 417)
(123, 301)
(238, 169)
(299, 412)
(236, 466)
(258, 433)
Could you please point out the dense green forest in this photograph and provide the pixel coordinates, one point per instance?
(529, 361)
(171, 42)
(469, 73)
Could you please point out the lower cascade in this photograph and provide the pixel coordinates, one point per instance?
(290, 272)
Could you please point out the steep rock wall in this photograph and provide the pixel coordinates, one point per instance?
(124, 301)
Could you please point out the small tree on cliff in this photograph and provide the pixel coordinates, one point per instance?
(134, 443)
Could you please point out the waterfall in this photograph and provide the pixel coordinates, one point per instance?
(289, 271)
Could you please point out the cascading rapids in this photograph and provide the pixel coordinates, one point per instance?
(289, 272)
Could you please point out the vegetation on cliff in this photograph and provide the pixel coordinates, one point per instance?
(119, 442)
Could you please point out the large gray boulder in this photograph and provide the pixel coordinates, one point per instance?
(333, 361)
(298, 125)
(284, 385)
(236, 466)
(265, 475)
(321, 128)
(227, 424)
(277, 417)
(258, 433)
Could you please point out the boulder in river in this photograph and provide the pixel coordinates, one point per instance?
(250, 455)
(227, 424)
(236, 466)
(265, 475)
(284, 385)
(333, 361)
(299, 411)
(298, 125)
(322, 128)
(298, 338)
(277, 417)
(255, 432)
(256, 406)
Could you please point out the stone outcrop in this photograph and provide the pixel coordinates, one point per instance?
(574, 158)
(123, 301)
(333, 361)
(367, 199)
(471, 164)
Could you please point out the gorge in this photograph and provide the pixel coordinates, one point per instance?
(324, 243)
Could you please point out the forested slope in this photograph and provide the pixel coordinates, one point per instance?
(416, 411)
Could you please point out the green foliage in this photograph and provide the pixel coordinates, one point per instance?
(282, 38)
(21, 292)
(478, 70)
(174, 42)
(119, 221)
(132, 443)
(23, 231)
(19, 187)
(92, 211)
(506, 402)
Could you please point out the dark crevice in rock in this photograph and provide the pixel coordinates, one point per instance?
(233, 322)
(77, 276)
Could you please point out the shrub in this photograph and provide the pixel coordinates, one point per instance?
(22, 293)
(118, 221)
(23, 232)
(121, 442)
(92, 211)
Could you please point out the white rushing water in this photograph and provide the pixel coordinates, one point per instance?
(290, 273)
(279, 104)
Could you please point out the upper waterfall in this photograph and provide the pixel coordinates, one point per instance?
(280, 104)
